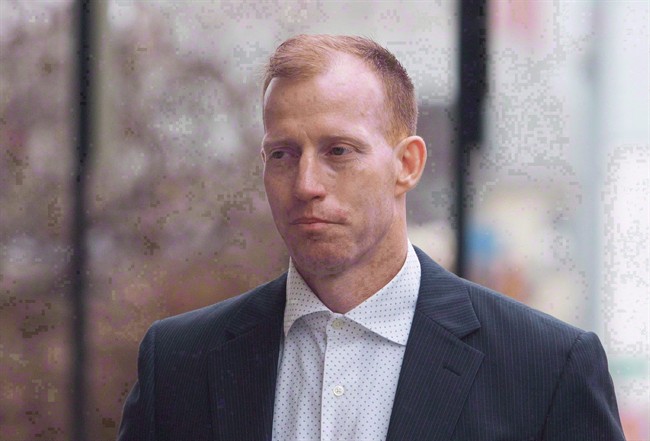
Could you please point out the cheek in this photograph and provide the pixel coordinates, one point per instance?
(272, 194)
(278, 195)
(371, 198)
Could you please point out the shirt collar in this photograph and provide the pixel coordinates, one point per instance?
(388, 312)
(301, 300)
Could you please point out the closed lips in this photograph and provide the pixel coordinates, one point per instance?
(310, 220)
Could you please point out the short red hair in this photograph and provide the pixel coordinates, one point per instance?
(305, 56)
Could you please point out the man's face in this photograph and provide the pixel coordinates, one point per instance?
(329, 170)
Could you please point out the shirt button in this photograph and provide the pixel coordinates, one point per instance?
(338, 390)
(337, 324)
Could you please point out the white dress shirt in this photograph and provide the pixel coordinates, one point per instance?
(338, 372)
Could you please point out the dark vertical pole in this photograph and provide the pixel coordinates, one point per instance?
(83, 85)
(471, 91)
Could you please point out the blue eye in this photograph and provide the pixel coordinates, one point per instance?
(339, 151)
(278, 154)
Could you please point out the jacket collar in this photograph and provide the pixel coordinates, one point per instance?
(261, 305)
(444, 298)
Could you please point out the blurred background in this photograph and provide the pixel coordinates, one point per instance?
(558, 209)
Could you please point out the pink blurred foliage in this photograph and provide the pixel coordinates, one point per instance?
(172, 227)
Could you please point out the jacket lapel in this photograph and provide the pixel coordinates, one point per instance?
(438, 368)
(243, 371)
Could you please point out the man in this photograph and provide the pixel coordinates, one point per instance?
(365, 337)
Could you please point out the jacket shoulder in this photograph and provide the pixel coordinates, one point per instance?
(468, 309)
(207, 325)
(500, 311)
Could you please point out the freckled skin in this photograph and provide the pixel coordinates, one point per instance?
(327, 158)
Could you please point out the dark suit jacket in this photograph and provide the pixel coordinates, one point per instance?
(478, 366)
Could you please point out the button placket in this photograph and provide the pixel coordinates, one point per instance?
(334, 386)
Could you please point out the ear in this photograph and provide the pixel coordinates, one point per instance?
(411, 156)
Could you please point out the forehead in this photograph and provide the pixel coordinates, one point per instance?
(348, 88)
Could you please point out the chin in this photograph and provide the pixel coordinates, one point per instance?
(322, 260)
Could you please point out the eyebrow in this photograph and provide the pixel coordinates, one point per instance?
(329, 139)
(358, 142)
(283, 142)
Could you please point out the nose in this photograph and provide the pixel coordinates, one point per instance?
(309, 184)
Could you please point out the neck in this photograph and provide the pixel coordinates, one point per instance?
(365, 278)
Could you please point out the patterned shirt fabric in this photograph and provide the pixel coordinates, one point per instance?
(338, 373)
